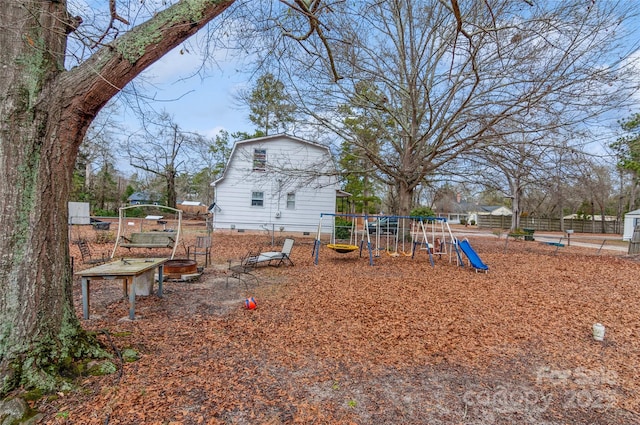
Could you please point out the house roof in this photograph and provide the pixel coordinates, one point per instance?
(139, 196)
(488, 208)
(144, 196)
(464, 207)
(469, 207)
(279, 136)
(496, 210)
(265, 139)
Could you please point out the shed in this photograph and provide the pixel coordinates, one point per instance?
(79, 213)
(631, 220)
(193, 207)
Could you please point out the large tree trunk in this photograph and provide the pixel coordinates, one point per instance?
(632, 193)
(39, 146)
(172, 198)
(44, 114)
(516, 212)
(37, 314)
(405, 198)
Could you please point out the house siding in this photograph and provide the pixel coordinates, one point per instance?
(290, 167)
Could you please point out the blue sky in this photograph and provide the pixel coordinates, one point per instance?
(197, 103)
(204, 102)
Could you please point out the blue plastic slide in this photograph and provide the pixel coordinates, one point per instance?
(475, 261)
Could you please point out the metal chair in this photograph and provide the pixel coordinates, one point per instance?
(242, 270)
(201, 247)
(86, 254)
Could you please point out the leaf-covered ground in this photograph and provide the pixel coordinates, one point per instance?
(343, 342)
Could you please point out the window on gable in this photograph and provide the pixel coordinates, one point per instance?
(257, 199)
(259, 160)
(291, 201)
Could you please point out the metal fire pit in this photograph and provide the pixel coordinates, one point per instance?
(174, 269)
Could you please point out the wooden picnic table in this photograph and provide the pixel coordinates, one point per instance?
(125, 269)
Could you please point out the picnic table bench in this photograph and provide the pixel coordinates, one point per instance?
(526, 234)
(515, 236)
(126, 270)
(149, 240)
(558, 244)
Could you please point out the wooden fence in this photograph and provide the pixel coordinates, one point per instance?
(551, 224)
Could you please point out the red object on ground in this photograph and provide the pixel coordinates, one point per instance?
(250, 303)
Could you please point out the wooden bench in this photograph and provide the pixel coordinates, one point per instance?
(516, 236)
(149, 240)
(558, 244)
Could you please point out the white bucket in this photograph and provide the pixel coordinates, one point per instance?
(598, 331)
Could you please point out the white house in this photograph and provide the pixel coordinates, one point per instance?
(279, 183)
(631, 220)
(496, 210)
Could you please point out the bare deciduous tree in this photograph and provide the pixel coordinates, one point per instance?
(595, 185)
(517, 160)
(440, 77)
(163, 150)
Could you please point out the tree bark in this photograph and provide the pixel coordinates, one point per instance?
(405, 197)
(632, 193)
(171, 188)
(44, 114)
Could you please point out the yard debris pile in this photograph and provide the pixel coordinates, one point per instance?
(400, 342)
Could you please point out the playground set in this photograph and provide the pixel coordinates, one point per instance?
(395, 236)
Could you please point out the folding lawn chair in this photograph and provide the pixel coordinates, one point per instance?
(276, 258)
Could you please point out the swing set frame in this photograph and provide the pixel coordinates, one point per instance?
(343, 248)
(439, 241)
(173, 238)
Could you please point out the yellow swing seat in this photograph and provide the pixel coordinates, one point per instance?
(342, 248)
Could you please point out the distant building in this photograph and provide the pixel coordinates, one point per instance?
(631, 221)
(193, 208)
(494, 210)
(589, 217)
(192, 203)
(141, 198)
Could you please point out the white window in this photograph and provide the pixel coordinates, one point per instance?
(257, 199)
(259, 160)
(291, 201)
